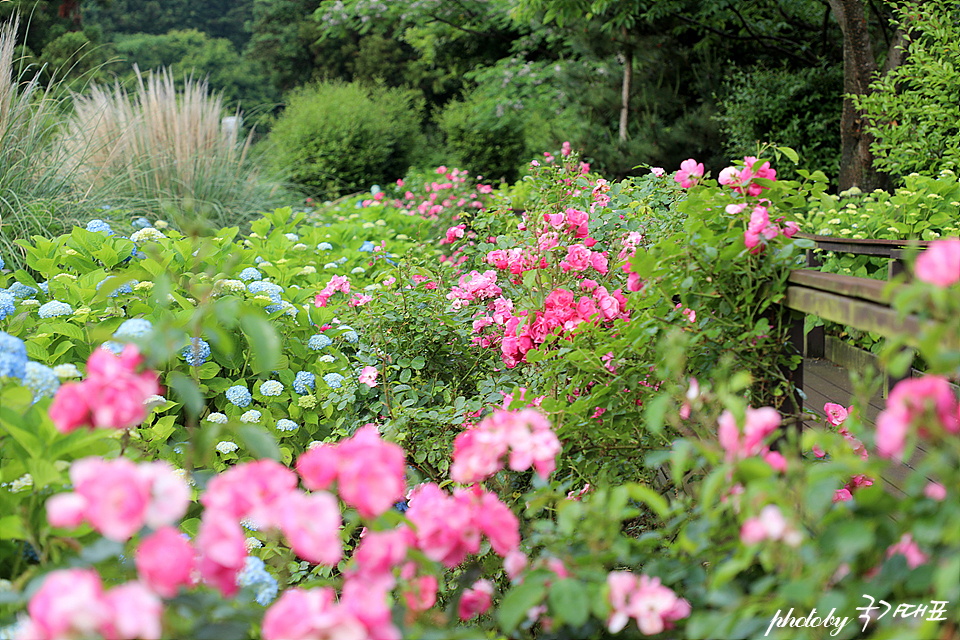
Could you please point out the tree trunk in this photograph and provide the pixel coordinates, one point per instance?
(625, 93)
(859, 70)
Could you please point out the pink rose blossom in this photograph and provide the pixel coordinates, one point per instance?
(514, 563)
(940, 264)
(223, 551)
(935, 491)
(135, 613)
(380, 551)
(836, 414)
(164, 561)
(908, 549)
(318, 466)
(371, 472)
(253, 490)
(312, 614)
(69, 604)
(653, 606)
(368, 376)
(117, 495)
(689, 174)
(311, 524)
(475, 600)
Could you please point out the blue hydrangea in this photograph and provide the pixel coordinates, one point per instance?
(250, 273)
(271, 289)
(333, 380)
(20, 291)
(98, 226)
(2, 263)
(114, 347)
(341, 260)
(251, 417)
(305, 382)
(255, 574)
(217, 418)
(284, 306)
(45, 287)
(324, 246)
(6, 305)
(41, 380)
(133, 329)
(367, 246)
(292, 237)
(287, 425)
(349, 334)
(197, 352)
(258, 260)
(271, 388)
(124, 288)
(13, 356)
(319, 341)
(239, 396)
(54, 308)
(141, 223)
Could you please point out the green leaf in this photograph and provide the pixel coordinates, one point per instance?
(649, 497)
(11, 528)
(258, 442)
(569, 601)
(188, 392)
(654, 412)
(264, 342)
(519, 600)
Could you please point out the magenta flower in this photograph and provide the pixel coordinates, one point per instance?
(940, 263)
(475, 600)
(689, 174)
(368, 376)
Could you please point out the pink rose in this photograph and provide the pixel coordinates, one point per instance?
(909, 550)
(69, 604)
(253, 490)
(223, 551)
(117, 495)
(421, 591)
(578, 258)
(170, 495)
(380, 551)
(318, 466)
(135, 613)
(689, 174)
(836, 414)
(368, 376)
(940, 263)
(513, 563)
(935, 491)
(311, 524)
(66, 510)
(69, 410)
(475, 600)
(165, 561)
(301, 614)
(371, 473)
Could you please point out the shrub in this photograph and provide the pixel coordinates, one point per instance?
(337, 138)
(783, 115)
(488, 138)
(913, 111)
(164, 149)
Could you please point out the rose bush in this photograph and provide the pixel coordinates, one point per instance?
(438, 417)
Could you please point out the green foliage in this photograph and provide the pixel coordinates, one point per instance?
(777, 105)
(486, 137)
(339, 138)
(913, 111)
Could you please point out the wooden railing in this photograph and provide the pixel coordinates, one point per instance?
(861, 303)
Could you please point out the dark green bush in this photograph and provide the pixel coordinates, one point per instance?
(487, 138)
(336, 138)
(797, 109)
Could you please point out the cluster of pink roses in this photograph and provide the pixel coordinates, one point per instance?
(337, 283)
(118, 497)
(71, 603)
(760, 423)
(476, 286)
(442, 196)
(526, 434)
(112, 395)
(741, 180)
(653, 606)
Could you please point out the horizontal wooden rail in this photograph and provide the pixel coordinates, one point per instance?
(863, 288)
(884, 248)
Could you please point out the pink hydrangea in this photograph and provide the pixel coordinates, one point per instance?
(476, 600)
(653, 606)
(165, 561)
(689, 174)
(940, 263)
(111, 396)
